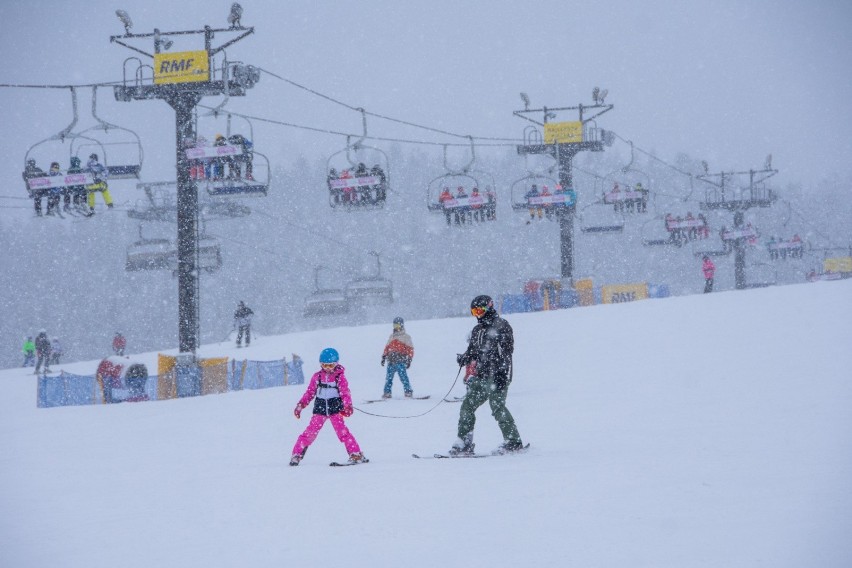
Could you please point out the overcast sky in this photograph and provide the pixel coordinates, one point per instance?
(724, 81)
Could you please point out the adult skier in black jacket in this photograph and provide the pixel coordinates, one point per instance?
(490, 348)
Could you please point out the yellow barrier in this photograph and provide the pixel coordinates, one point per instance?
(586, 291)
(617, 293)
(837, 264)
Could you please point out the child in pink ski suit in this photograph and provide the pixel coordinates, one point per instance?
(333, 401)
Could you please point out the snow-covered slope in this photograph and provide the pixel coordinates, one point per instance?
(692, 431)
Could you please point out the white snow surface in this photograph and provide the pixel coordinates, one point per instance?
(692, 431)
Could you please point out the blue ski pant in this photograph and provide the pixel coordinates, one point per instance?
(394, 368)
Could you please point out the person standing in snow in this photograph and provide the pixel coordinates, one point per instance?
(55, 351)
(709, 270)
(118, 343)
(29, 352)
(490, 347)
(242, 321)
(333, 402)
(42, 347)
(398, 353)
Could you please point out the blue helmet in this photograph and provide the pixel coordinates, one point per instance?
(329, 355)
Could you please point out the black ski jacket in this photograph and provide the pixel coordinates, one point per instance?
(491, 346)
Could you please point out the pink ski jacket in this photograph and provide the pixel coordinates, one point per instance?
(327, 386)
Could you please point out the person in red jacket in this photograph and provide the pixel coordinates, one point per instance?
(119, 343)
(398, 353)
(709, 270)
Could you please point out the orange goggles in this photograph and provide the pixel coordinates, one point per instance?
(478, 311)
(328, 366)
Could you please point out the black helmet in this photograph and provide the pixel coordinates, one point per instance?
(398, 320)
(93, 157)
(31, 162)
(482, 302)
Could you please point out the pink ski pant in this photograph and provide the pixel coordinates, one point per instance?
(310, 434)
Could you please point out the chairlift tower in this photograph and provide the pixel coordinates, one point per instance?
(737, 200)
(182, 79)
(563, 141)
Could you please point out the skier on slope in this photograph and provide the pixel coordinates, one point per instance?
(42, 346)
(709, 270)
(119, 343)
(242, 321)
(398, 353)
(491, 346)
(29, 352)
(333, 403)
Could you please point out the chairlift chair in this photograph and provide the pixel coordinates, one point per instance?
(236, 183)
(371, 288)
(600, 218)
(628, 177)
(351, 188)
(159, 204)
(358, 176)
(466, 178)
(523, 201)
(37, 151)
(209, 258)
(711, 246)
(126, 160)
(149, 254)
(325, 301)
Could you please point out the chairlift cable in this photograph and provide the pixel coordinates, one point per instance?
(376, 115)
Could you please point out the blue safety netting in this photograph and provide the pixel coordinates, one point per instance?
(67, 389)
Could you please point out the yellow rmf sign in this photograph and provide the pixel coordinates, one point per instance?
(617, 293)
(838, 264)
(182, 67)
(563, 132)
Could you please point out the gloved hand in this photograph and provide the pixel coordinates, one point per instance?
(408, 364)
(347, 411)
(298, 411)
(383, 360)
(461, 358)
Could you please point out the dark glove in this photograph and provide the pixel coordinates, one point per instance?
(383, 361)
(408, 364)
(462, 359)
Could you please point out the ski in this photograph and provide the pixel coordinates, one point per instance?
(338, 464)
(465, 456)
(454, 399)
(447, 456)
(384, 399)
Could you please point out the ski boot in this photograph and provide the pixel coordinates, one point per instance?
(296, 458)
(463, 447)
(357, 457)
(409, 394)
(386, 395)
(508, 447)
